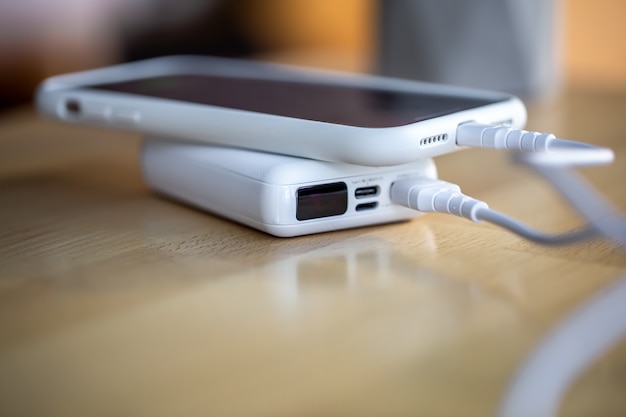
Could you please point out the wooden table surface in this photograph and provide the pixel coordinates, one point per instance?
(115, 302)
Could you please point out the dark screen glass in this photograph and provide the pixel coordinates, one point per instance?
(346, 105)
(322, 201)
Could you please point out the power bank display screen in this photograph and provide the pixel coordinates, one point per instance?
(338, 104)
(322, 201)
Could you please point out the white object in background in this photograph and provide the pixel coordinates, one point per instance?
(504, 45)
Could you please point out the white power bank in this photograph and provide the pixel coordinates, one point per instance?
(277, 194)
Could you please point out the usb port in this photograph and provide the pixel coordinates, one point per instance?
(367, 206)
(365, 192)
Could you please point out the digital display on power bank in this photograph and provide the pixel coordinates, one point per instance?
(331, 103)
(322, 201)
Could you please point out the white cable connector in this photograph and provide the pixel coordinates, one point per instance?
(502, 137)
(545, 147)
(435, 196)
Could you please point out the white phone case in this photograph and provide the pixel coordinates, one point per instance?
(69, 98)
(260, 189)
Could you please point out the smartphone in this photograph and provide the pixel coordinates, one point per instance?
(277, 194)
(340, 117)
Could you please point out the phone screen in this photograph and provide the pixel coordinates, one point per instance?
(339, 104)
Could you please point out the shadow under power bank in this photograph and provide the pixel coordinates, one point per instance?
(277, 194)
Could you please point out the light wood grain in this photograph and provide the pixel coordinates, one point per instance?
(116, 302)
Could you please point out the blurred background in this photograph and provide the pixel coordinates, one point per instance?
(528, 47)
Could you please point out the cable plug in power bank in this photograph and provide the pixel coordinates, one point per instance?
(277, 194)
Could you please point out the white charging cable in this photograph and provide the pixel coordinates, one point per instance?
(558, 152)
(569, 349)
(550, 157)
(544, 377)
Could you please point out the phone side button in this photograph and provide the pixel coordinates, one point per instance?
(124, 117)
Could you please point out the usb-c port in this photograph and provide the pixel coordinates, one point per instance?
(367, 206)
(365, 192)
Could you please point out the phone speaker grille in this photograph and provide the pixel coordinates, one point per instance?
(434, 140)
